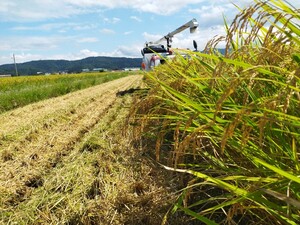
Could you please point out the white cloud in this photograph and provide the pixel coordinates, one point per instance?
(153, 6)
(136, 18)
(36, 43)
(5, 46)
(88, 40)
(29, 43)
(127, 51)
(41, 10)
(84, 53)
(79, 27)
(87, 53)
(91, 3)
(152, 37)
(132, 51)
(6, 5)
(112, 20)
(56, 26)
(20, 58)
(32, 10)
(128, 32)
(213, 14)
(107, 31)
(25, 57)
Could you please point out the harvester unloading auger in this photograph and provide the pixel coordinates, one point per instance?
(155, 53)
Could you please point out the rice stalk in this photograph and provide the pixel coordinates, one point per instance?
(235, 119)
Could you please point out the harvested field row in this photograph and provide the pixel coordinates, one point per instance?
(36, 140)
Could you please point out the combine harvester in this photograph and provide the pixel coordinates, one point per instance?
(154, 53)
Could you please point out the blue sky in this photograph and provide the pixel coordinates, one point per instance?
(75, 29)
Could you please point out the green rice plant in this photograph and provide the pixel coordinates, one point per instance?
(232, 121)
(20, 91)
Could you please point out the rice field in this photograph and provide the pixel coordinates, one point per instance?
(229, 125)
(222, 130)
(19, 91)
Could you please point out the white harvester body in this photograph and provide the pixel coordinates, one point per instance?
(155, 53)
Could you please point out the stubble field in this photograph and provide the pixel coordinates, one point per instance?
(68, 160)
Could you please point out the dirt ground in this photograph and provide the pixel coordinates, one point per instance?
(69, 160)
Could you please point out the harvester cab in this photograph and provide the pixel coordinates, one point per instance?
(155, 53)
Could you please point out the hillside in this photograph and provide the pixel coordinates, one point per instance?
(54, 66)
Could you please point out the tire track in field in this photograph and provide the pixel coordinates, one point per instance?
(33, 139)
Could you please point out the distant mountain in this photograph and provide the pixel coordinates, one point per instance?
(55, 66)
